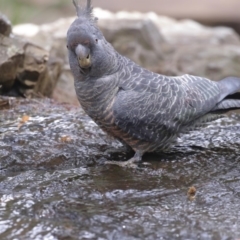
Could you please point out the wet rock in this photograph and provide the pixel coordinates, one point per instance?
(54, 185)
(25, 68)
(43, 133)
(32, 123)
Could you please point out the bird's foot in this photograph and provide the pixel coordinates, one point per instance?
(133, 162)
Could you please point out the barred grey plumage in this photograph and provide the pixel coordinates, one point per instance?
(145, 110)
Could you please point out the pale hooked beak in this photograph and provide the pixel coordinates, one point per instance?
(83, 54)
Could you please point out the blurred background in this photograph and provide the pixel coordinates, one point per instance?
(210, 12)
(158, 43)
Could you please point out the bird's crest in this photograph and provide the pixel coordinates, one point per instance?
(84, 11)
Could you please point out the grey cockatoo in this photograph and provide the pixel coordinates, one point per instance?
(145, 110)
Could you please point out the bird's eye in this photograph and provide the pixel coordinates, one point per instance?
(96, 40)
(67, 46)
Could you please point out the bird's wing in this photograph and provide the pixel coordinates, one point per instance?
(151, 106)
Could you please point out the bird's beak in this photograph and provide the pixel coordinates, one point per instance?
(83, 54)
(85, 62)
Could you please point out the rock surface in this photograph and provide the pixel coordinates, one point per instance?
(37, 124)
(25, 68)
(54, 183)
(52, 37)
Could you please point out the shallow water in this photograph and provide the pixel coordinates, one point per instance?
(54, 183)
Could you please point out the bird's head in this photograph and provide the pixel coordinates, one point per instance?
(89, 52)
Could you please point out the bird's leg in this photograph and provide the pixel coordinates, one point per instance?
(131, 163)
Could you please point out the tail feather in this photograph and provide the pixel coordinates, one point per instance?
(229, 86)
(230, 95)
(227, 104)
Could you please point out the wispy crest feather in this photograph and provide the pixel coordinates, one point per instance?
(84, 11)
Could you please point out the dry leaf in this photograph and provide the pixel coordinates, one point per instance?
(24, 119)
(191, 193)
(65, 139)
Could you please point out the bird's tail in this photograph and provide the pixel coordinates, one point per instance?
(230, 97)
(227, 105)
